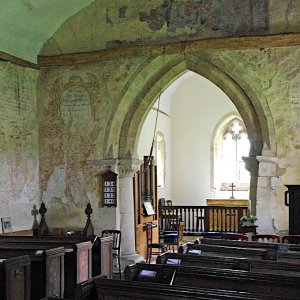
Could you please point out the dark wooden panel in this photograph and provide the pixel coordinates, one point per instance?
(15, 278)
(43, 270)
(215, 278)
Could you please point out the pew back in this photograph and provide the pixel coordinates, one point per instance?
(264, 285)
(248, 244)
(47, 268)
(254, 253)
(15, 278)
(101, 248)
(234, 263)
(77, 259)
(110, 289)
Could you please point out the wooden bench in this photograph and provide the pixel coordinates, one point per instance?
(101, 248)
(253, 253)
(102, 258)
(77, 259)
(248, 244)
(15, 278)
(246, 264)
(110, 289)
(264, 285)
(47, 268)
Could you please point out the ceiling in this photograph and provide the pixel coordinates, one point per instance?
(52, 27)
(27, 24)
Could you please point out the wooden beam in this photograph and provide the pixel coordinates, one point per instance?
(18, 61)
(227, 43)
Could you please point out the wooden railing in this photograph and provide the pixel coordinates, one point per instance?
(198, 219)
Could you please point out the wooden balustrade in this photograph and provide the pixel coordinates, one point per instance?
(198, 219)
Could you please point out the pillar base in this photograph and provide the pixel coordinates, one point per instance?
(131, 259)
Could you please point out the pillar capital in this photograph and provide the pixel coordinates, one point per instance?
(128, 166)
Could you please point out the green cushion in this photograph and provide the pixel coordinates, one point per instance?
(158, 245)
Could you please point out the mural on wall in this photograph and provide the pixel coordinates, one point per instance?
(67, 139)
(18, 137)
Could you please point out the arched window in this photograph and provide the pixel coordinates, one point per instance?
(231, 143)
(160, 159)
(235, 145)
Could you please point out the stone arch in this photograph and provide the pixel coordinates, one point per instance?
(159, 74)
(253, 113)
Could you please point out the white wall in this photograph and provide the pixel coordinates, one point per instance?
(195, 106)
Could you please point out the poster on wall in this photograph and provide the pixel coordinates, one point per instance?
(6, 224)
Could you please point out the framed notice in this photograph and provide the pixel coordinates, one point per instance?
(6, 224)
(149, 208)
(109, 188)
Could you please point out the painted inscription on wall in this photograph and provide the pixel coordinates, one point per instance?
(18, 139)
(75, 108)
(15, 94)
(72, 107)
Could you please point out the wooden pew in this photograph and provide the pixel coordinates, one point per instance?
(253, 253)
(258, 284)
(246, 264)
(102, 258)
(101, 248)
(248, 244)
(77, 260)
(47, 268)
(110, 289)
(15, 278)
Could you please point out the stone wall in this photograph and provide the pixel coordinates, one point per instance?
(19, 189)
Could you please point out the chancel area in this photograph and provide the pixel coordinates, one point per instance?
(149, 149)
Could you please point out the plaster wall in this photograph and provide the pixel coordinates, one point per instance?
(94, 112)
(19, 183)
(271, 76)
(76, 108)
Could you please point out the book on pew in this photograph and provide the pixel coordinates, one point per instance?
(147, 274)
(173, 261)
(271, 254)
(283, 247)
(194, 251)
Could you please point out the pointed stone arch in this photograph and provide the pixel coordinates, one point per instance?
(158, 75)
(145, 89)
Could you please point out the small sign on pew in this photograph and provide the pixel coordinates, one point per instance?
(271, 254)
(283, 247)
(174, 261)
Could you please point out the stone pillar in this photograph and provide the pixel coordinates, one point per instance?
(126, 173)
(267, 183)
(251, 165)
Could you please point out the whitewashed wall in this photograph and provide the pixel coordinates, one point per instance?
(195, 106)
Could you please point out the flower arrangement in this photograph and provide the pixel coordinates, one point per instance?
(248, 220)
